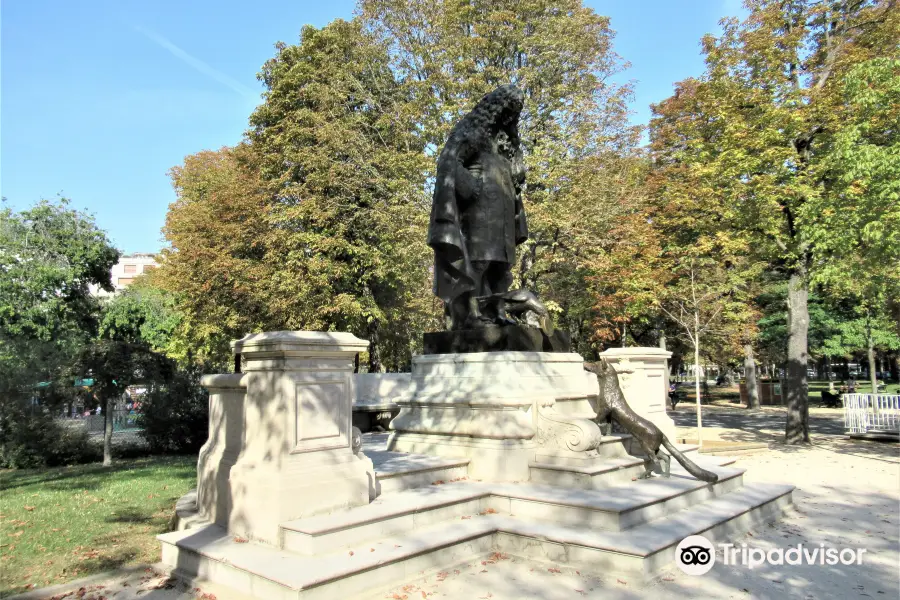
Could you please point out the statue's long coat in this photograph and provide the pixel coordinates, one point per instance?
(473, 217)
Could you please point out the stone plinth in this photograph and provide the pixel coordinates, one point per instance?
(296, 454)
(642, 376)
(220, 452)
(484, 406)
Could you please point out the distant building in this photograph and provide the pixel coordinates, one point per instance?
(124, 271)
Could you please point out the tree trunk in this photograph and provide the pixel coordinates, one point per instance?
(374, 350)
(675, 367)
(797, 426)
(697, 377)
(894, 366)
(873, 372)
(107, 432)
(662, 346)
(750, 375)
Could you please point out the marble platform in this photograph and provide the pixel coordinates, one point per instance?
(490, 452)
(431, 516)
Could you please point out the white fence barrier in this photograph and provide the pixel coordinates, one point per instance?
(871, 412)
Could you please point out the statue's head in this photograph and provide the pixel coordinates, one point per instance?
(495, 112)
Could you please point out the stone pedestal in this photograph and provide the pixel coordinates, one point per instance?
(220, 452)
(485, 406)
(494, 338)
(298, 456)
(642, 376)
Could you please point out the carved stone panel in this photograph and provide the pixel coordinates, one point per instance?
(322, 415)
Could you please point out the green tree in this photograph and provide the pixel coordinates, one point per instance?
(860, 216)
(142, 312)
(50, 256)
(339, 152)
(114, 365)
(758, 128)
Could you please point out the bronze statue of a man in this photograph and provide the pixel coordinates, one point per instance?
(477, 218)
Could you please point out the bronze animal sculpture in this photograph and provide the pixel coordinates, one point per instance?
(612, 406)
(515, 303)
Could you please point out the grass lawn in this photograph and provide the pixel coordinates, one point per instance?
(61, 524)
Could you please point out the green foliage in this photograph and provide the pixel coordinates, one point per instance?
(175, 414)
(33, 438)
(318, 221)
(858, 221)
(141, 313)
(115, 365)
(50, 255)
(761, 133)
(339, 154)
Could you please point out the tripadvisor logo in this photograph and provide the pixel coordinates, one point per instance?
(696, 555)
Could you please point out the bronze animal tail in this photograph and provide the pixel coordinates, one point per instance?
(689, 466)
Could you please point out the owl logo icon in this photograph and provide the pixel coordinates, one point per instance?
(695, 555)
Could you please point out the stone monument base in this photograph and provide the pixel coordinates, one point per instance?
(492, 452)
(496, 338)
(485, 406)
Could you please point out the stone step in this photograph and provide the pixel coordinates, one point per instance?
(647, 548)
(605, 473)
(390, 515)
(396, 471)
(614, 509)
(276, 574)
(267, 573)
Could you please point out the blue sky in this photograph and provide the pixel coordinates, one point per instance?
(100, 98)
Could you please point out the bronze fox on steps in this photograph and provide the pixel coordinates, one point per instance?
(612, 405)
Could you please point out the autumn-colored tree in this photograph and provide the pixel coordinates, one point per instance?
(214, 265)
(583, 195)
(317, 221)
(758, 127)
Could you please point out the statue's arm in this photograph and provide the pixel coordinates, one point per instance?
(468, 178)
(468, 183)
